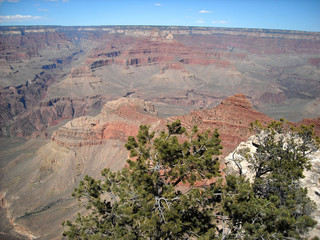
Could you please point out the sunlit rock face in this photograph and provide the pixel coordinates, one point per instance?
(312, 183)
(118, 120)
(44, 69)
(232, 117)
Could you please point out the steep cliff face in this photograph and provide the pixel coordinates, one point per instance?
(36, 122)
(15, 101)
(24, 112)
(21, 45)
(31, 60)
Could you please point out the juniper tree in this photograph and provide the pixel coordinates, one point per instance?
(143, 201)
(273, 205)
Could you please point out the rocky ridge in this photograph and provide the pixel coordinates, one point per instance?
(232, 117)
(121, 118)
(162, 30)
(118, 120)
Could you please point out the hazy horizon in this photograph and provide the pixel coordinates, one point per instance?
(281, 15)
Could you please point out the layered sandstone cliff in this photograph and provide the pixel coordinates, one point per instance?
(232, 118)
(121, 118)
(118, 120)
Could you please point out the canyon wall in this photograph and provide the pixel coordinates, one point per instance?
(183, 67)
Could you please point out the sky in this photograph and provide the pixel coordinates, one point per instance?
(303, 15)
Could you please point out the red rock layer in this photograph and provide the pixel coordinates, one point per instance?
(163, 50)
(118, 119)
(169, 47)
(122, 118)
(232, 118)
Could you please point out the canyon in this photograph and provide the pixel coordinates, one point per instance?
(50, 74)
(71, 96)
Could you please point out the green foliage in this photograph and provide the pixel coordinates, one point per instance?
(142, 201)
(274, 205)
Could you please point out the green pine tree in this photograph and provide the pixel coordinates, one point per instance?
(142, 201)
(274, 205)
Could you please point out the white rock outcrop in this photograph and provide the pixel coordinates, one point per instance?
(235, 161)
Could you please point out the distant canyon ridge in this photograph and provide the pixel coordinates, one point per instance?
(52, 74)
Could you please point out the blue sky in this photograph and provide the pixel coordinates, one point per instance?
(269, 14)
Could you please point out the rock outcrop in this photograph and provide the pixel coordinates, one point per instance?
(232, 118)
(121, 118)
(311, 181)
(118, 120)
